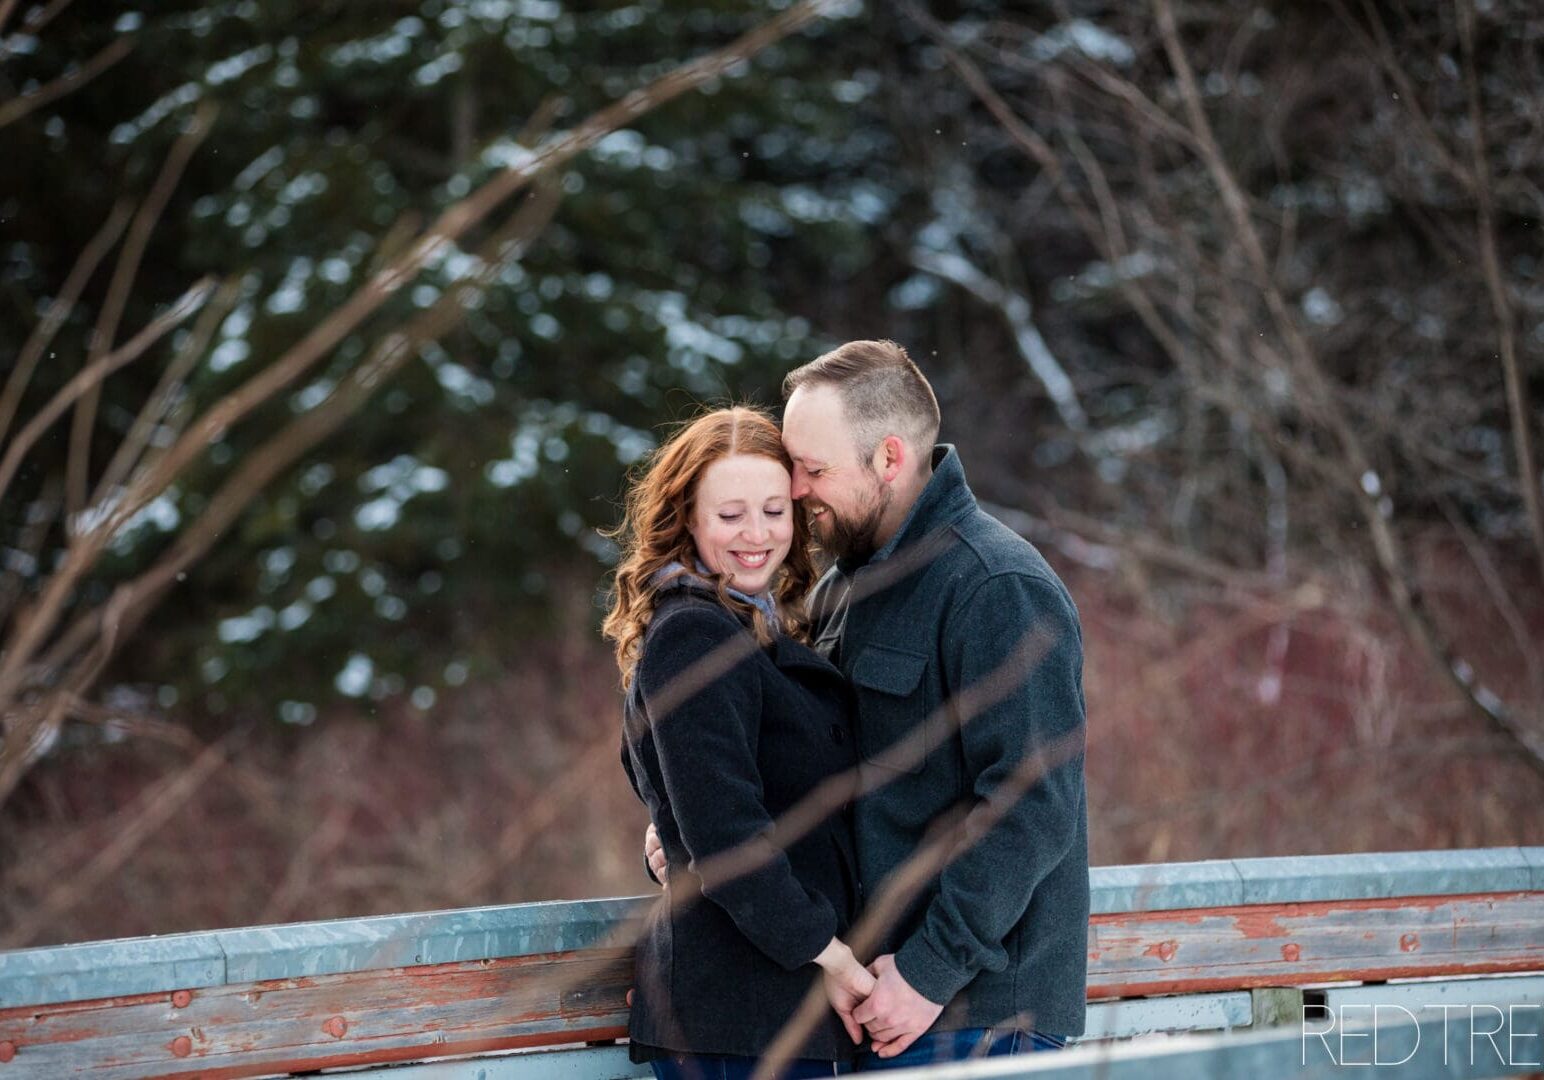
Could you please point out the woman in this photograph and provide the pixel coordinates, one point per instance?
(730, 720)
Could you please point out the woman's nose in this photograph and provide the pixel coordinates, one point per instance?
(756, 529)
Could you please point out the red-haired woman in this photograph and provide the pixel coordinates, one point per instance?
(731, 720)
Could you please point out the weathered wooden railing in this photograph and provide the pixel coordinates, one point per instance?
(1172, 947)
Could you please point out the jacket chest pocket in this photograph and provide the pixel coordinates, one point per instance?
(892, 707)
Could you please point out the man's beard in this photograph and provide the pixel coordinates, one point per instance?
(855, 538)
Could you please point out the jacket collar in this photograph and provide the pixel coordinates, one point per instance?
(784, 652)
(682, 580)
(946, 499)
(675, 571)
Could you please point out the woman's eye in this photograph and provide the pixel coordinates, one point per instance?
(729, 517)
(774, 513)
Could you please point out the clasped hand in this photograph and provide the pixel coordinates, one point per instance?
(893, 1013)
(876, 999)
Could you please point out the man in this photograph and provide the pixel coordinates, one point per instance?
(928, 598)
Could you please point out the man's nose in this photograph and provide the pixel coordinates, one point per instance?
(801, 487)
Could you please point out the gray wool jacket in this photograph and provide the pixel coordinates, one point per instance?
(965, 654)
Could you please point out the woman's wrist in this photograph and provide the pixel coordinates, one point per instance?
(835, 956)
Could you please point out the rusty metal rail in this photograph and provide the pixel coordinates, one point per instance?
(1181, 945)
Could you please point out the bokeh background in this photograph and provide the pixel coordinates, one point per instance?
(331, 330)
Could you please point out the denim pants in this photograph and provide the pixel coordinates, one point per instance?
(730, 1067)
(936, 1047)
(929, 1049)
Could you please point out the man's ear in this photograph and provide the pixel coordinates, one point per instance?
(891, 457)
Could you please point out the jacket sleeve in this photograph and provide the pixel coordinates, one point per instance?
(986, 888)
(707, 755)
(627, 767)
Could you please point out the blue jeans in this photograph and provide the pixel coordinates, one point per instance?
(935, 1047)
(930, 1049)
(730, 1067)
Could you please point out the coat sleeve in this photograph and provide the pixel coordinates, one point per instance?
(1036, 724)
(707, 755)
(627, 767)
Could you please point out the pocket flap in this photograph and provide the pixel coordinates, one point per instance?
(888, 670)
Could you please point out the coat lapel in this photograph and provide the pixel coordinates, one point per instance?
(789, 654)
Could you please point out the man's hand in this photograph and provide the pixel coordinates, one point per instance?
(654, 855)
(894, 1013)
(847, 983)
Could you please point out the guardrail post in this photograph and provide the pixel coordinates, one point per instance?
(1276, 1006)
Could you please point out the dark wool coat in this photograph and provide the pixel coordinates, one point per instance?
(960, 629)
(720, 970)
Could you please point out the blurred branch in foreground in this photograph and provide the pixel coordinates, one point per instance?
(43, 670)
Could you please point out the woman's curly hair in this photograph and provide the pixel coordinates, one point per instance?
(654, 530)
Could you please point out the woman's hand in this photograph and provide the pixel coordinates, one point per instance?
(847, 983)
(654, 855)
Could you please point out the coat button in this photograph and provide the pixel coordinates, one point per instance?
(838, 736)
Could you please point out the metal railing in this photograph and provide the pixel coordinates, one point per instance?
(1227, 944)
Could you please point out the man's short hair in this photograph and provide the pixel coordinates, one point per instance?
(882, 392)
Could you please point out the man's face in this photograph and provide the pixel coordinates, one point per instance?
(840, 491)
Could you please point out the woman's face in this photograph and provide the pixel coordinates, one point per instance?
(742, 521)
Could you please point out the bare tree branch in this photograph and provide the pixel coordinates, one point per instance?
(98, 632)
(1376, 41)
(1109, 239)
(1017, 312)
(1506, 606)
(167, 390)
(1248, 361)
(59, 309)
(450, 226)
(152, 810)
(76, 477)
(1506, 330)
(1362, 481)
(320, 845)
(183, 307)
(13, 110)
(36, 520)
(44, 15)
